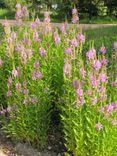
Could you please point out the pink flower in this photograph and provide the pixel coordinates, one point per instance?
(47, 20)
(81, 37)
(67, 69)
(83, 72)
(115, 45)
(74, 42)
(74, 11)
(36, 64)
(93, 80)
(10, 80)
(94, 100)
(42, 51)
(80, 101)
(56, 38)
(75, 84)
(18, 5)
(34, 75)
(34, 99)
(19, 14)
(24, 83)
(109, 108)
(8, 109)
(33, 25)
(14, 72)
(37, 21)
(103, 49)
(26, 91)
(2, 112)
(9, 93)
(102, 89)
(68, 50)
(89, 92)
(97, 64)
(18, 86)
(9, 40)
(103, 77)
(103, 96)
(75, 19)
(1, 62)
(6, 23)
(25, 101)
(79, 92)
(18, 70)
(99, 126)
(13, 35)
(46, 13)
(91, 54)
(35, 36)
(39, 75)
(104, 61)
(62, 28)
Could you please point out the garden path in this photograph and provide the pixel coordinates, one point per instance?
(84, 26)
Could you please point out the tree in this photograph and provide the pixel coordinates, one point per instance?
(2, 4)
(112, 7)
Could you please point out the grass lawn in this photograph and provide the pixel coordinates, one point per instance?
(5, 13)
(104, 35)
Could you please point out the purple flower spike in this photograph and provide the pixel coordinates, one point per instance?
(67, 69)
(83, 72)
(68, 50)
(42, 51)
(13, 35)
(94, 100)
(1, 62)
(75, 84)
(89, 92)
(74, 42)
(103, 49)
(81, 37)
(79, 92)
(39, 75)
(36, 64)
(103, 77)
(9, 93)
(18, 86)
(18, 5)
(14, 72)
(99, 126)
(97, 64)
(115, 45)
(109, 108)
(62, 28)
(34, 99)
(91, 54)
(74, 11)
(37, 21)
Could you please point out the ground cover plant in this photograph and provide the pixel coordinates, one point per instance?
(43, 70)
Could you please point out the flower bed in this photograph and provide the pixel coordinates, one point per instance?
(44, 70)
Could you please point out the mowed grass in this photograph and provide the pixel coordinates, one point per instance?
(101, 33)
(105, 35)
(8, 14)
